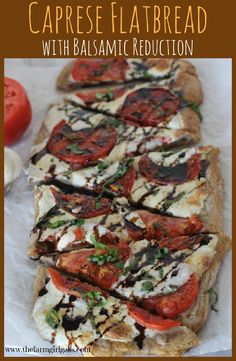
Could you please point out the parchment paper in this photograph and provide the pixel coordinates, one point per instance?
(38, 77)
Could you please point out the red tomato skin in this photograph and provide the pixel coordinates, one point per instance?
(171, 305)
(17, 111)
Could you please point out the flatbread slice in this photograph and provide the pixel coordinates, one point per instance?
(70, 313)
(178, 74)
(66, 222)
(116, 139)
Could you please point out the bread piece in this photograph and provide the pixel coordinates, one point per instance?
(118, 335)
(178, 74)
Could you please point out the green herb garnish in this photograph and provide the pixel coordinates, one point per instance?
(101, 259)
(169, 202)
(102, 166)
(162, 252)
(113, 121)
(95, 298)
(122, 170)
(173, 287)
(146, 75)
(53, 318)
(196, 109)
(77, 222)
(147, 286)
(105, 96)
(161, 272)
(97, 244)
(57, 224)
(74, 148)
(214, 295)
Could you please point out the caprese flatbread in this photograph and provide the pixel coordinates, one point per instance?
(66, 222)
(178, 182)
(73, 314)
(73, 138)
(139, 104)
(163, 276)
(178, 74)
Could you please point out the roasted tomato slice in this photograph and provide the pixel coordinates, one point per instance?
(176, 302)
(70, 285)
(82, 147)
(96, 70)
(175, 175)
(149, 107)
(94, 264)
(158, 226)
(148, 320)
(82, 206)
(100, 95)
(181, 242)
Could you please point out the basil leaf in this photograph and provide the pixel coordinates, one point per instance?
(161, 272)
(95, 298)
(53, 318)
(105, 96)
(77, 222)
(147, 286)
(102, 166)
(101, 259)
(169, 202)
(162, 252)
(119, 265)
(97, 244)
(56, 224)
(214, 295)
(146, 75)
(97, 204)
(114, 122)
(173, 287)
(122, 170)
(196, 109)
(74, 148)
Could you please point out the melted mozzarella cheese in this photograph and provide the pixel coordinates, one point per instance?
(66, 239)
(46, 201)
(201, 259)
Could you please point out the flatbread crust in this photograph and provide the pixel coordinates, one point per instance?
(212, 212)
(195, 317)
(171, 343)
(186, 80)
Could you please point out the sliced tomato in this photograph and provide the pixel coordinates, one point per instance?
(149, 107)
(149, 320)
(83, 147)
(81, 205)
(174, 303)
(17, 111)
(174, 175)
(79, 233)
(96, 70)
(70, 285)
(159, 226)
(105, 276)
(101, 95)
(181, 242)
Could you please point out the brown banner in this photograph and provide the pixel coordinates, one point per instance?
(58, 28)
